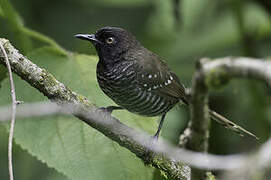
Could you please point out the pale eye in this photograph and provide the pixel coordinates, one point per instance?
(110, 40)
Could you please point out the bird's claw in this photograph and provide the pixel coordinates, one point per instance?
(106, 109)
(110, 109)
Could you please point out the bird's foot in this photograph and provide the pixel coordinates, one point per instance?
(156, 136)
(110, 109)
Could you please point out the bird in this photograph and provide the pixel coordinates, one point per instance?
(138, 80)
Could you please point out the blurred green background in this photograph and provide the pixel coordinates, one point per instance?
(203, 29)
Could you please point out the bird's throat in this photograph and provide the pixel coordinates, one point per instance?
(105, 65)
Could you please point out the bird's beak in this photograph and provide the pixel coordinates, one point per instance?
(88, 37)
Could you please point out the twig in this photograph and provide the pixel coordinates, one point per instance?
(14, 103)
(36, 109)
(260, 160)
(195, 159)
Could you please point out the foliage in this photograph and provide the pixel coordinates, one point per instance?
(208, 28)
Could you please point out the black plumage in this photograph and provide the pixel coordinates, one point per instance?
(133, 77)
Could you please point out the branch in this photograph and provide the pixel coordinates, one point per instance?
(220, 71)
(13, 112)
(174, 154)
(196, 135)
(212, 74)
(37, 109)
(261, 159)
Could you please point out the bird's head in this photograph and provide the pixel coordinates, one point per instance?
(111, 42)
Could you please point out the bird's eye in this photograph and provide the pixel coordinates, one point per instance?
(110, 40)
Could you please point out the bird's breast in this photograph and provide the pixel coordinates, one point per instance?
(117, 80)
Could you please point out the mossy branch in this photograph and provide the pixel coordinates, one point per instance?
(211, 75)
(111, 127)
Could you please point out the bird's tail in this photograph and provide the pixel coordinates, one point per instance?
(230, 125)
(221, 119)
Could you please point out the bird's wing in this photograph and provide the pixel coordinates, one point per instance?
(154, 75)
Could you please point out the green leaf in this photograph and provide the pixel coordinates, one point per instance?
(66, 143)
(1, 12)
(15, 26)
(3, 73)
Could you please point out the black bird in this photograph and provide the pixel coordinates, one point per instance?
(137, 79)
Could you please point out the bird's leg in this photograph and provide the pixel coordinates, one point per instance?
(160, 126)
(148, 155)
(110, 109)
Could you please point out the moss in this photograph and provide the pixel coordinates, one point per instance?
(163, 174)
(168, 168)
(209, 176)
(6, 45)
(83, 100)
(217, 78)
(49, 79)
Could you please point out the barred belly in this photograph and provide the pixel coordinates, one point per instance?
(122, 86)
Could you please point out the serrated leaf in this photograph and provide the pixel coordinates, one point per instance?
(67, 144)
